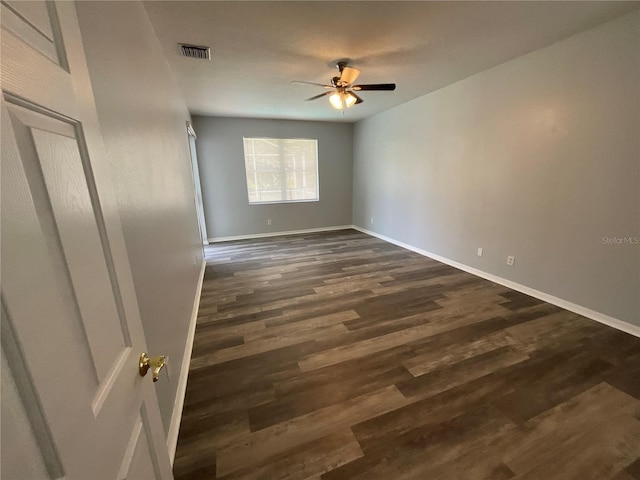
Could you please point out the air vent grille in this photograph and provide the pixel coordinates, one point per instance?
(195, 51)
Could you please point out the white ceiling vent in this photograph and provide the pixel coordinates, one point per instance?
(195, 51)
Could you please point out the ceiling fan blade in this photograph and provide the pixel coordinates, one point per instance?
(300, 82)
(358, 99)
(349, 75)
(318, 96)
(375, 86)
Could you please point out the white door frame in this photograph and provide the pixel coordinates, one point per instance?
(195, 170)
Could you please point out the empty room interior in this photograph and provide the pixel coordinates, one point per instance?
(320, 240)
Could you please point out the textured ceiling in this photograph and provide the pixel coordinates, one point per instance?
(259, 47)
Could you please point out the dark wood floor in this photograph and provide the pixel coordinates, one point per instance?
(340, 356)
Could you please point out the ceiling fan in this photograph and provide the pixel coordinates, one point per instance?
(342, 90)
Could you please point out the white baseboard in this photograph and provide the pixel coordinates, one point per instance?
(277, 234)
(572, 307)
(176, 416)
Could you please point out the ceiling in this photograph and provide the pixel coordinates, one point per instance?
(259, 47)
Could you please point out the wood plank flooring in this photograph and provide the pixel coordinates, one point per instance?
(339, 356)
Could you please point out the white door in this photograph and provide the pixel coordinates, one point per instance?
(71, 332)
(196, 183)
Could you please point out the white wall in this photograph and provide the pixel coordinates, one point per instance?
(537, 158)
(224, 185)
(142, 116)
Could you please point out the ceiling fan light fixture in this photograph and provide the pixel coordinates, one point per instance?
(349, 99)
(342, 100)
(336, 100)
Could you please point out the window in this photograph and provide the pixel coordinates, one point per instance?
(281, 170)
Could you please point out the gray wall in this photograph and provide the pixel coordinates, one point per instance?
(224, 186)
(142, 117)
(537, 158)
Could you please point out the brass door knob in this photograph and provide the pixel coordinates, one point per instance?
(156, 363)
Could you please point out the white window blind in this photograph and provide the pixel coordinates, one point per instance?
(281, 170)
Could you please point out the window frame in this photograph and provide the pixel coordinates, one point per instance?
(281, 170)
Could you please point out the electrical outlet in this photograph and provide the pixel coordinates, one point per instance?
(479, 251)
(371, 220)
(510, 260)
(269, 222)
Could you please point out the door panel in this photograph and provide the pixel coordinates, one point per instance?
(23, 421)
(73, 331)
(35, 23)
(33, 13)
(28, 463)
(138, 462)
(49, 150)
